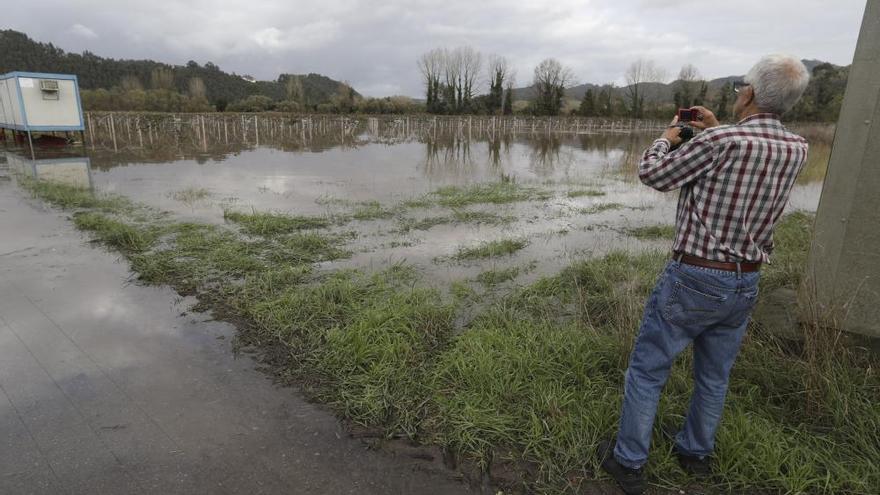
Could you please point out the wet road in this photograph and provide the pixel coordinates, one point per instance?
(105, 387)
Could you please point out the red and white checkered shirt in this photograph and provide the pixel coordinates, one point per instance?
(735, 181)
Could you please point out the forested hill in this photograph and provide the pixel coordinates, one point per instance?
(18, 52)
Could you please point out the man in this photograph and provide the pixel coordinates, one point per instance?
(735, 182)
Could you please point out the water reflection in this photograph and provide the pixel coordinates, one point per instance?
(71, 170)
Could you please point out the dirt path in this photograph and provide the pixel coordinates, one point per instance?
(106, 388)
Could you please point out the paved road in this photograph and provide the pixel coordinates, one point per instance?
(105, 387)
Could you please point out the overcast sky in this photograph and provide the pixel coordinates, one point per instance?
(375, 45)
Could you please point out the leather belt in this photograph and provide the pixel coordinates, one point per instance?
(717, 265)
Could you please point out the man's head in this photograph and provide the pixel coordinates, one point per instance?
(773, 85)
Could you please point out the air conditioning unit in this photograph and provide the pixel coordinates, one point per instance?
(49, 89)
(48, 85)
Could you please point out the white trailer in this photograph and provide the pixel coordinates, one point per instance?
(40, 102)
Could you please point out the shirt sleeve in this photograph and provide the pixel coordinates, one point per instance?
(664, 170)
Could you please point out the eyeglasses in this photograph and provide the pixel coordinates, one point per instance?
(739, 85)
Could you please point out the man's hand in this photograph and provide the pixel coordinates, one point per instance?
(671, 133)
(707, 119)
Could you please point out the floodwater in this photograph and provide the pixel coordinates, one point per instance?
(331, 174)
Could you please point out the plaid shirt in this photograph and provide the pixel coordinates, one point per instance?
(735, 181)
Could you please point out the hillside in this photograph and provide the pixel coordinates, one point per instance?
(18, 52)
(655, 92)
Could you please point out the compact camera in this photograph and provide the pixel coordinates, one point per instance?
(688, 115)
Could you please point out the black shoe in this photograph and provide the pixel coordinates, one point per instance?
(631, 481)
(698, 467)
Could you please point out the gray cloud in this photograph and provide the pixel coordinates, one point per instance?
(374, 45)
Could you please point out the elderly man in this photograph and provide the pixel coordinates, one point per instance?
(735, 182)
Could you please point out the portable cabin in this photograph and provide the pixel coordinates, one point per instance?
(40, 102)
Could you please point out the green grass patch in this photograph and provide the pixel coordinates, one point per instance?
(371, 210)
(490, 249)
(652, 232)
(269, 224)
(578, 193)
(72, 197)
(492, 192)
(190, 195)
(114, 233)
(599, 208)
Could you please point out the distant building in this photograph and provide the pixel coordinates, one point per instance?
(248, 78)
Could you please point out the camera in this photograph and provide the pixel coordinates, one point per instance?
(686, 133)
(688, 115)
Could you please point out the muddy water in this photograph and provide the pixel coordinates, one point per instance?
(330, 173)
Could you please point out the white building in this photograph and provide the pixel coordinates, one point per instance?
(38, 102)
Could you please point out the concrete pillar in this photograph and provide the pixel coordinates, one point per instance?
(845, 255)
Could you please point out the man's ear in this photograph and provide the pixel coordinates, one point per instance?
(751, 90)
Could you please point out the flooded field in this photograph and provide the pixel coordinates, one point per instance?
(499, 275)
(431, 195)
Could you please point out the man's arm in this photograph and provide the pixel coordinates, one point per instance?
(666, 171)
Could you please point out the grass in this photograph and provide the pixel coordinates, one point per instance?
(72, 198)
(268, 223)
(652, 232)
(599, 208)
(534, 378)
(491, 192)
(490, 249)
(190, 195)
(578, 193)
(114, 233)
(457, 216)
(371, 210)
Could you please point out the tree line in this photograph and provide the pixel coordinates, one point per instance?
(452, 86)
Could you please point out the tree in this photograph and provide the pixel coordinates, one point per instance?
(471, 65)
(721, 108)
(701, 96)
(549, 84)
(588, 104)
(605, 103)
(430, 65)
(162, 78)
(686, 86)
(131, 83)
(507, 107)
(498, 72)
(637, 75)
(196, 88)
(293, 89)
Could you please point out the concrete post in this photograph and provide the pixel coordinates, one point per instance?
(845, 255)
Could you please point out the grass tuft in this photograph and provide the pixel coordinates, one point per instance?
(491, 249)
(122, 236)
(268, 224)
(492, 192)
(652, 232)
(578, 193)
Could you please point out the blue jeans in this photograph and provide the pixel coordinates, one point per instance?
(709, 308)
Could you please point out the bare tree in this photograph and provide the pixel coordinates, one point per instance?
(550, 81)
(687, 85)
(430, 65)
(637, 75)
(498, 75)
(471, 66)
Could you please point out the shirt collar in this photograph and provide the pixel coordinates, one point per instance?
(770, 119)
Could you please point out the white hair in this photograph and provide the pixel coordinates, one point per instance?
(779, 81)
